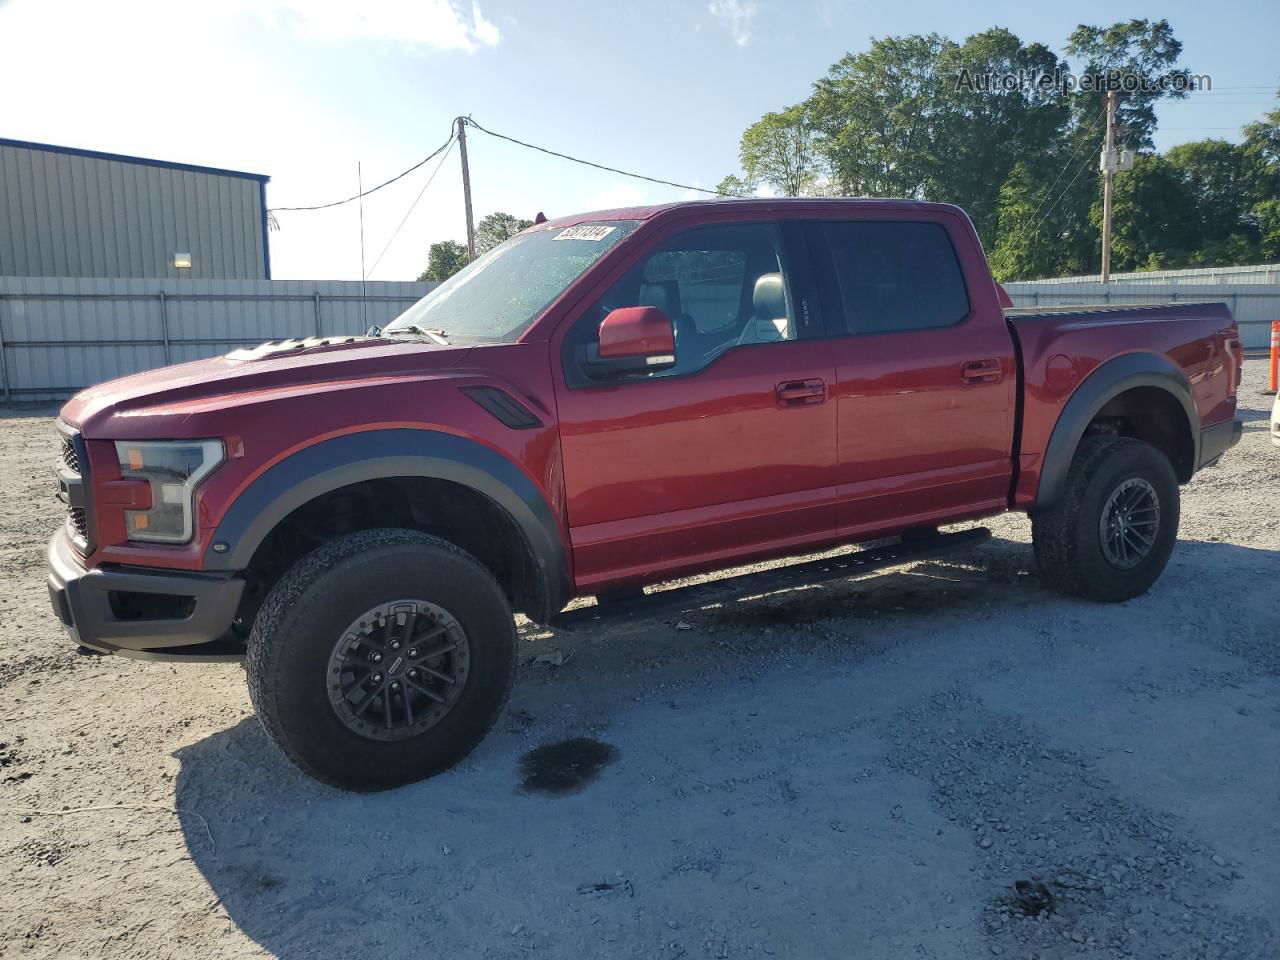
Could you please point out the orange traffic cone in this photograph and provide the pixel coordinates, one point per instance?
(1275, 357)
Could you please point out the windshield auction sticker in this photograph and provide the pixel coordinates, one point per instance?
(595, 234)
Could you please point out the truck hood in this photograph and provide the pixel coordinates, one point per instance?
(278, 368)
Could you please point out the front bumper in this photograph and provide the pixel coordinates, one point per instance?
(140, 612)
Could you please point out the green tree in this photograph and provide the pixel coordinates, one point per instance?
(986, 132)
(497, 228)
(780, 149)
(917, 117)
(901, 120)
(735, 186)
(1261, 150)
(1061, 164)
(1267, 213)
(876, 112)
(444, 259)
(1216, 177)
(1028, 243)
(1153, 217)
(1144, 49)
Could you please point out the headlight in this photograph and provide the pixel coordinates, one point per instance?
(172, 468)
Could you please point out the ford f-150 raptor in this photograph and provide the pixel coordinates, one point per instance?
(603, 403)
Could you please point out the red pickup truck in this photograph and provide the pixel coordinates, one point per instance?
(602, 403)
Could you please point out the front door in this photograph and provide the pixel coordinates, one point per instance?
(730, 452)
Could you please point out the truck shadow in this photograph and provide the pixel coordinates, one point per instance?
(467, 865)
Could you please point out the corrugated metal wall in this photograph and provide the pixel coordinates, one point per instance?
(60, 335)
(1254, 305)
(68, 213)
(1256, 273)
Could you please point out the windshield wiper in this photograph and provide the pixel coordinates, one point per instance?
(437, 335)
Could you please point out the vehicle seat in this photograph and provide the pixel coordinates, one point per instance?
(769, 321)
(663, 294)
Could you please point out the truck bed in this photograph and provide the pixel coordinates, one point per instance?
(1191, 342)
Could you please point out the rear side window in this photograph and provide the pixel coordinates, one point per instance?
(896, 276)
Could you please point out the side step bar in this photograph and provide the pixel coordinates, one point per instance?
(717, 592)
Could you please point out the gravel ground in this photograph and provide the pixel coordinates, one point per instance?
(862, 769)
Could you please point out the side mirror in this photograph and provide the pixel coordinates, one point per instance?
(633, 339)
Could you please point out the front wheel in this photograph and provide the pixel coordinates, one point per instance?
(382, 658)
(1110, 535)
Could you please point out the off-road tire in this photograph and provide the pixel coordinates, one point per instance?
(300, 623)
(1068, 545)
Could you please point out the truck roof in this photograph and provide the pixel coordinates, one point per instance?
(757, 204)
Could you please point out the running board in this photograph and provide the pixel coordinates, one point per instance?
(717, 592)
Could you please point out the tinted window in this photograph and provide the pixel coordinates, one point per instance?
(896, 276)
(722, 287)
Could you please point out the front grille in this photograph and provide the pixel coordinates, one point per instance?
(74, 486)
(69, 456)
(79, 522)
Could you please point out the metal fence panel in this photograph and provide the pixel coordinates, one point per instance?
(59, 335)
(1264, 273)
(1254, 305)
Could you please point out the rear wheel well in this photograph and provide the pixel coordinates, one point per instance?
(451, 511)
(1155, 416)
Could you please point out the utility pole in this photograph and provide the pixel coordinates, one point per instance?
(364, 300)
(1108, 183)
(466, 187)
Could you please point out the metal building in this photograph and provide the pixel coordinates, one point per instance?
(81, 213)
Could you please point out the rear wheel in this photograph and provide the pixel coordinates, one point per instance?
(1110, 535)
(382, 658)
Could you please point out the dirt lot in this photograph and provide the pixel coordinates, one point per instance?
(860, 770)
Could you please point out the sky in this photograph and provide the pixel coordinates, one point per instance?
(304, 90)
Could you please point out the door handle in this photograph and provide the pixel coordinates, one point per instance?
(801, 393)
(981, 371)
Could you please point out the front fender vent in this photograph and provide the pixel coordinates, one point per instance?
(505, 408)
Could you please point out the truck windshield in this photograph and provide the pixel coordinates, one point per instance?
(497, 297)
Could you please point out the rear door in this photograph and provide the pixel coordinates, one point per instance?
(925, 370)
(730, 452)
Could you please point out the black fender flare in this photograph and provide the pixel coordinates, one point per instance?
(378, 454)
(1107, 381)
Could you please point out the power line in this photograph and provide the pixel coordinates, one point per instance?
(1065, 190)
(588, 163)
(1205, 102)
(405, 219)
(385, 183)
(1084, 141)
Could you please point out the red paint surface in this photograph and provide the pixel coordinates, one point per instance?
(770, 449)
(636, 332)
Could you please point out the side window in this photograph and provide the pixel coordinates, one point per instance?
(707, 283)
(722, 286)
(896, 276)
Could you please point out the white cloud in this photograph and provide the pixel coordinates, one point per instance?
(736, 16)
(486, 31)
(435, 24)
(120, 69)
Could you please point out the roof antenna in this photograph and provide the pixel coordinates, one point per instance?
(539, 217)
